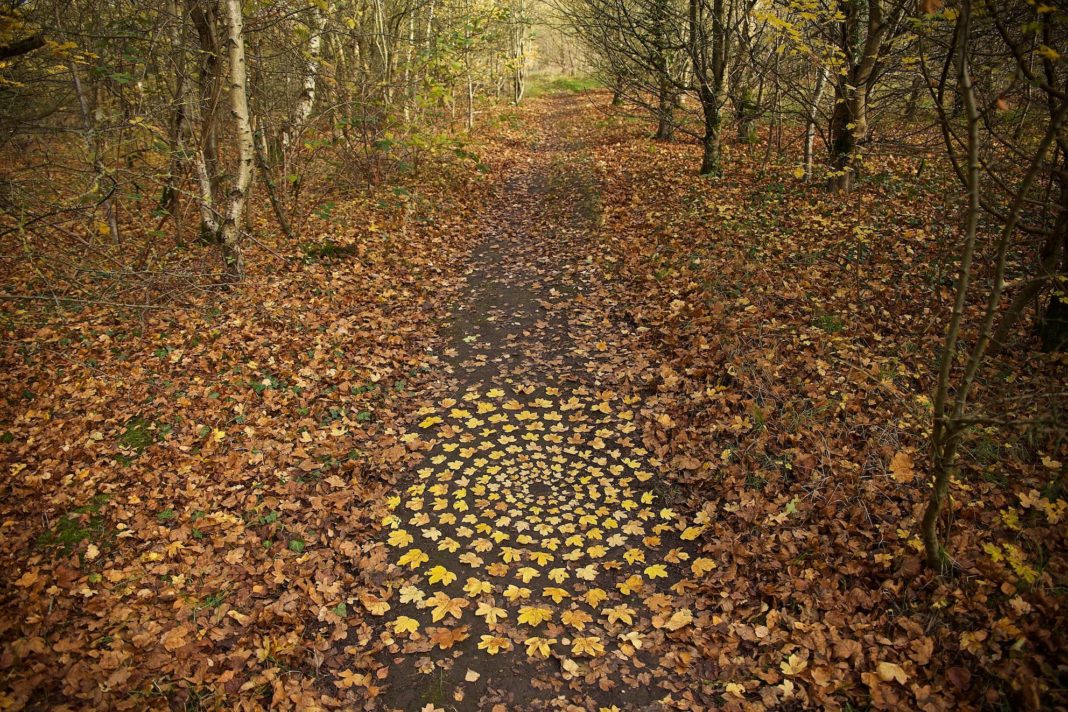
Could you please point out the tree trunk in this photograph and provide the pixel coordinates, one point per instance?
(1052, 255)
(665, 113)
(96, 151)
(710, 142)
(204, 15)
(810, 123)
(849, 126)
(233, 263)
(745, 112)
(272, 194)
(306, 102)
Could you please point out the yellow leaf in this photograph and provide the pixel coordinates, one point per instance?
(556, 594)
(702, 566)
(656, 571)
(901, 468)
(514, 593)
(439, 574)
(692, 533)
(539, 647)
(474, 587)
(413, 558)
(733, 688)
(679, 619)
(375, 605)
(590, 646)
(888, 672)
(794, 665)
(595, 596)
(534, 615)
(404, 624)
(632, 584)
(526, 573)
(399, 537)
(494, 644)
(577, 619)
(490, 612)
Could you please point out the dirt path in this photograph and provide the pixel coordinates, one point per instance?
(537, 565)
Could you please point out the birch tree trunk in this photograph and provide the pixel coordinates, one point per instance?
(306, 102)
(233, 264)
(202, 113)
(810, 122)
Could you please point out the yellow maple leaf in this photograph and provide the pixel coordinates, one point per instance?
(527, 573)
(619, 613)
(888, 672)
(404, 624)
(490, 612)
(411, 594)
(375, 605)
(702, 566)
(494, 644)
(539, 647)
(474, 587)
(534, 615)
(595, 597)
(656, 571)
(413, 558)
(399, 537)
(556, 594)
(632, 584)
(439, 574)
(447, 607)
(541, 557)
(514, 593)
(576, 618)
(691, 533)
(590, 646)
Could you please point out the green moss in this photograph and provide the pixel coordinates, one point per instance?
(85, 523)
(138, 434)
(326, 250)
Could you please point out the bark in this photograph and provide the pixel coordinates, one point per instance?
(96, 151)
(861, 52)
(709, 60)
(665, 127)
(233, 263)
(519, 50)
(306, 101)
(1052, 255)
(21, 47)
(203, 112)
(945, 434)
(845, 124)
(272, 194)
(810, 122)
(745, 113)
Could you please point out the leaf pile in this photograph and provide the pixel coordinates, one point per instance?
(790, 338)
(185, 496)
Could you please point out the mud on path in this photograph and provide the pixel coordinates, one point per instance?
(535, 563)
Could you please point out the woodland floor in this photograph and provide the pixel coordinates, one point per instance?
(580, 431)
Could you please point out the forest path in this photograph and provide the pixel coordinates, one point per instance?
(536, 565)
